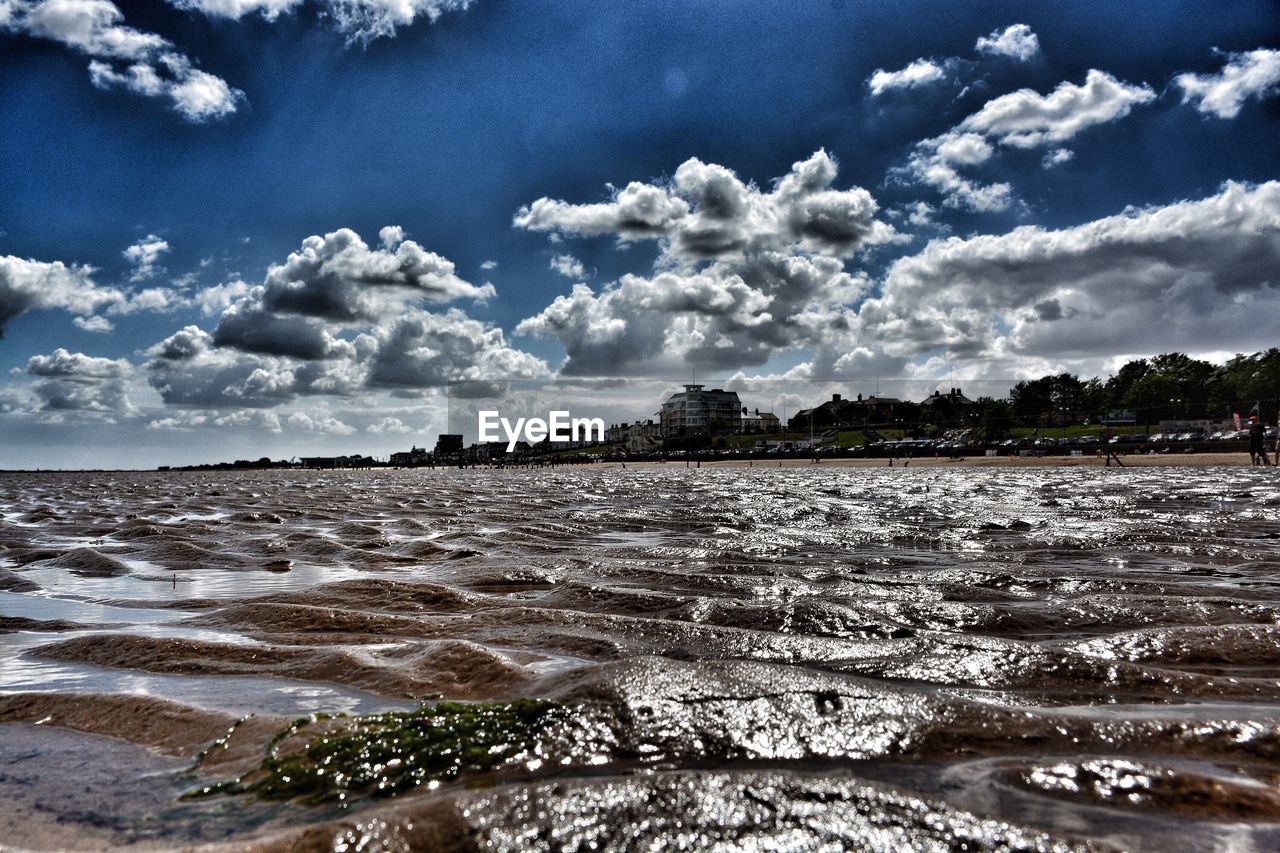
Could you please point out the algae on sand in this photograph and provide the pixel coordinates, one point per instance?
(338, 757)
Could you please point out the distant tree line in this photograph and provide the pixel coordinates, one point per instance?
(1173, 386)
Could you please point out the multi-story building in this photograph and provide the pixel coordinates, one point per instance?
(448, 445)
(696, 411)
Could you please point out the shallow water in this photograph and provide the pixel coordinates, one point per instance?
(867, 656)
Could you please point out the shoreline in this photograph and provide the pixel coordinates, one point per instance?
(1154, 460)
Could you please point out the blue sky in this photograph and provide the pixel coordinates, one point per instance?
(1023, 187)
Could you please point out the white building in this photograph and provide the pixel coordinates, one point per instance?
(696, 411)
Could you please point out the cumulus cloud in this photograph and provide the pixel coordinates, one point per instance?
(338, 278)
(1016, 41)
(121, 56)
(921, 72)
(726, 315)
(96, 324)
(337, 318)
(707, 212)
(937, 162)
(75, 382)
(921, 213)
(1255, 74)
(1027, 119)
(1057, 157)
(247, 326)
(188, 370)
(568, 266)
(93, 27)
(29, 285)
(1195, 274)
(389, 426)
(216, 299)
(317, 421)
(144, 256)
(424, 350)
(1021, 119)
(743, 274)
(64, 364)
(360, 20)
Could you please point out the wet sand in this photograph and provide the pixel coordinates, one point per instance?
(848, 655)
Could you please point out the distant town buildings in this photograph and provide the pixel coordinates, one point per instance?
(355, 461)
(696, 411)
(841, 412)
(411, 458)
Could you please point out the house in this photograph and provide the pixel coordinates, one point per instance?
(644, 437)
(835, 412)
(758, 422)
(952, 407)
(696, 411)
(877, 409)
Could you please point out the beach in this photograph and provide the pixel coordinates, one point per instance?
(926, 656)
(1136, 460)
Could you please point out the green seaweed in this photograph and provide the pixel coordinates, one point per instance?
(382, 755)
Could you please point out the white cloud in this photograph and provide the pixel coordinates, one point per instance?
(707, 212)
(919, 73)
(935, 162)
(727, 315)
(1057, 157)
(246, 419)
(93, 324)
(29, 285)
(389, 426)
(1255, 74)
(1021, 119)
(196, 95)
(921, 213)
(75, 382)
(360, 20)
(1192, 275)
(337, 277)
(1017, 41)
(424, 350)
(188, 370)
(93, 27)
(1027, 119)
(216, 299)
(144, 255)
(143, 63)
(63, 363)
(336, 318)
(316, 421)
(489, 265)
(743, 274)
(568, 266)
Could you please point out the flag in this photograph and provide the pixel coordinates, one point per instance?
(1253, 413)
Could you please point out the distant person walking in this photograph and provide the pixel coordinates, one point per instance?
(1257, 442)
(1108, 452)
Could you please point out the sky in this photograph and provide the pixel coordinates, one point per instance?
(237, 228)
